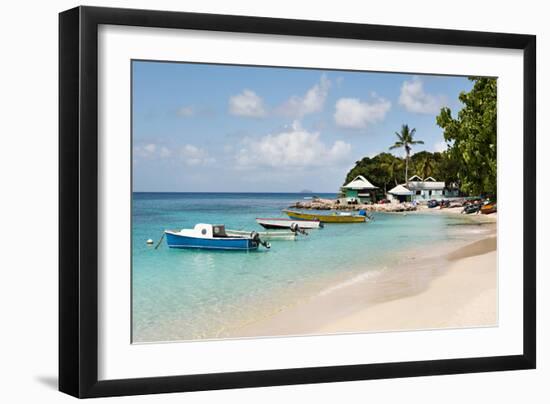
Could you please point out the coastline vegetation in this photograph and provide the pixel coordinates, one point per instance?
(470, 161)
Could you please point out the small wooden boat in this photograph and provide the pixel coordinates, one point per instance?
(489, 208)
(432, 203)
(283, 223)
(275, 235)
(335, 217)
(212, 237)
(471, 208)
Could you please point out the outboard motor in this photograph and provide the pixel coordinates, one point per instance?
(296, 229)
(256, 237)
(363, 212)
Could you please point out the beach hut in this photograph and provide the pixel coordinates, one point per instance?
(359, 189)
(400, 193)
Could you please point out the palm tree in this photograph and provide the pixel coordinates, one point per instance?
(426, 166)
(393, 167)
(405, 139)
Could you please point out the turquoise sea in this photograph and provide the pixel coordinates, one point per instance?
(193, 294)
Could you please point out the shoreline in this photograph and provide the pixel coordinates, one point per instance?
(448, 286)
(323, 204)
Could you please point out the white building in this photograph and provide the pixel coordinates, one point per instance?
(400, 193)
(418, 189)
(427, 189)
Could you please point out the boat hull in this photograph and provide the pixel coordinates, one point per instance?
(334, 218)
(282, 223)
(221, 243)
(265, 235)
(471, 209)
(489, 208)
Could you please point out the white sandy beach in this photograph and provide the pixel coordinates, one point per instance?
(442, 288)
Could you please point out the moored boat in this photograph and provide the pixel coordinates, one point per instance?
(212, 237)
(471, 208)
(335, 217)
(283, 223)
(274, 235)
(489, 208)
(432, 203)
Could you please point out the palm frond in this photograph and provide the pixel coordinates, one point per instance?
(396, 145)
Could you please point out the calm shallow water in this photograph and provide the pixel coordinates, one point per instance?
(191, 294)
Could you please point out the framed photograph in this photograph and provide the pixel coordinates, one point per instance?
(251, 201)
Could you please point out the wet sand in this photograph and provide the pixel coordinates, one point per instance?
(445, 287)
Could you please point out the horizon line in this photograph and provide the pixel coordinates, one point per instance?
(234, 192)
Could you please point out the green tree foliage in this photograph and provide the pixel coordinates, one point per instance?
(426, 167)
(422, 164)
(473, 137)
(386, 170)
(446, 168)
(381, 170)
(394, 167)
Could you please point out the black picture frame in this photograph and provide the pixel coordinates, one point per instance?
(78, 201)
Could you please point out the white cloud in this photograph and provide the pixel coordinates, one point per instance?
(312, 101)
(247, 103)
(186, 111)
(353, 113)
(415, 99)
(194, 156)
(151, 150)
(190, 155)
(165, 152)
(295, 147)
(440, 146)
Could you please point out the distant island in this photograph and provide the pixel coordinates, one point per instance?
(306, 191)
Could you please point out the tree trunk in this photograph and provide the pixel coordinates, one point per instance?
(407, 170)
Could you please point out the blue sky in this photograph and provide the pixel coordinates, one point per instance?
(203, 127)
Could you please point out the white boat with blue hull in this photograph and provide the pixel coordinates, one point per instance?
(212, 237)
